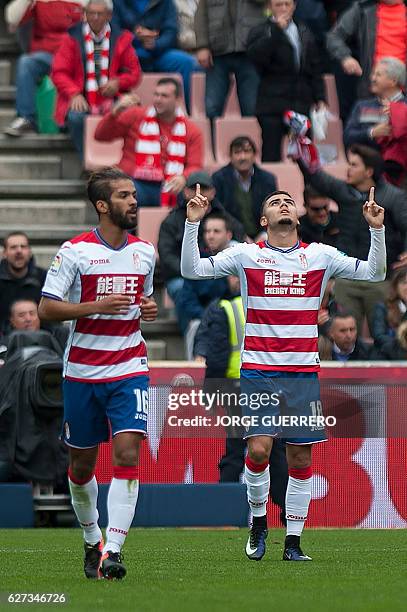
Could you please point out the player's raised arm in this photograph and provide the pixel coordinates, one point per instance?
(192, 266)
(374, 269)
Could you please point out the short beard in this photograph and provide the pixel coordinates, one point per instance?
(120, 220)
(285, 221)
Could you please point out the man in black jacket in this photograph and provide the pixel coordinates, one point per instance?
(242, 186)
(346, 345)
(318, 224)
(172, 231)
(364, 172)
(290, 69)
(20, 278)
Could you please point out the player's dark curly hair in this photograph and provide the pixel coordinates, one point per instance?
(266, 199)
(100, 184)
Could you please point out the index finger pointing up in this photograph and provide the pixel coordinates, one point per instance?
(198, 189)
(371, 195)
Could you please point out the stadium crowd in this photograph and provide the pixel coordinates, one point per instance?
(266, 57)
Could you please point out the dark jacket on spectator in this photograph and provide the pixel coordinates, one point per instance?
(12, 289)
(158, 15)
(262, 184)
(361, 352)
(314, 232)
(214, 332)
(283, 86)
(356, 28)
(365, 114)
(172, 232)
(68, 74)
(354, 235)
(223, 26)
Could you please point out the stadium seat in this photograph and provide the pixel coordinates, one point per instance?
(149, 221)
(226, 129)
(198, 95)
(167, 301)
(204, 125)
(331, 94)
(146, 88)
(99, 154)
(232, 106)
(338, 170)
(289, 178)
(334, 138)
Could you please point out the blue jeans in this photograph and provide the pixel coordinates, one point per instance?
(148, 193)
(74, 122)
(174, 287)
(217, 84)
(174, 60)
(31, 68)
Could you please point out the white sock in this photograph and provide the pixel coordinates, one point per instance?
(84, 499)
(258, 487)
(297, 501)
(121, 505)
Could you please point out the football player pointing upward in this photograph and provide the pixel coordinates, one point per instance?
(282, 282)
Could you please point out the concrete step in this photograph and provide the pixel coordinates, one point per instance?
(9, 45)
(42, 144)
(42, 188)
(36, 142)
(166, 331)
(30, 167)
(156, 350)
(44, 255)
(52, 234)
(5, 72)
(44, 212)
(7, 93)
(6, 117)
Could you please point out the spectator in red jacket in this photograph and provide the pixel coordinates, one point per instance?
(50, 20)
(161, 146)
(95, 61)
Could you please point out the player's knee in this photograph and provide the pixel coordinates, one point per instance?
(126, 457)
(258, 453)
(81, 470)
(299, 458)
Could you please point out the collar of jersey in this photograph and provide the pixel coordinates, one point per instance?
(269, 246)
(106, 244)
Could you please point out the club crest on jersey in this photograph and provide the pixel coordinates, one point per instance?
(303, 261)
(136, 260)
(56, 264)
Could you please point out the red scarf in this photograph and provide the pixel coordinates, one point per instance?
(148, 152)
(98, 104)
(299, 145)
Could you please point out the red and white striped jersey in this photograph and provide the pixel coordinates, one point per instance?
(282, 290)
(103, 348)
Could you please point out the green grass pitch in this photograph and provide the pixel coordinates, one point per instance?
(194, 570)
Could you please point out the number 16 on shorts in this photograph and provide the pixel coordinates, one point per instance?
(141, 397)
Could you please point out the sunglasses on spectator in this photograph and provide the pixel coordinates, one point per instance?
(317, 208)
